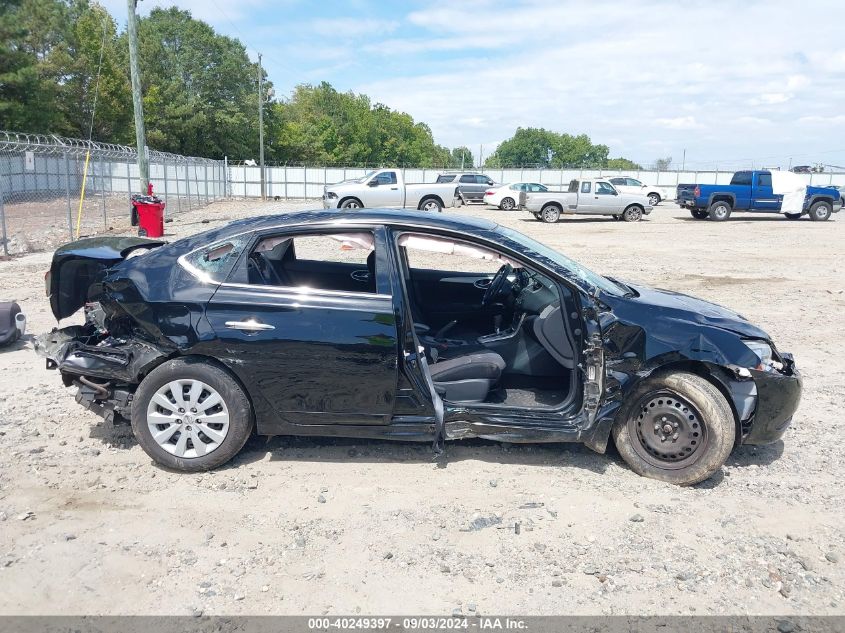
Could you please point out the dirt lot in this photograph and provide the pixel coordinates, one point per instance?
(89, 525)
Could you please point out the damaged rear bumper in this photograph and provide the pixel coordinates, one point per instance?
(73, 350)
(778, 397)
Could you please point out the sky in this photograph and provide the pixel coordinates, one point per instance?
(725, 83)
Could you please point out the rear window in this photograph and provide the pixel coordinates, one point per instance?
(445, 178)
(741, 178)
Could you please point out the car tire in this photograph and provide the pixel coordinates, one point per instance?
(702, 431)
(654, 199)
(719, 211)
(507, 204)
(634, 213)
(550, 213)
(793, 216)
(431, 204)
(352, 203)
(820, 211)
(698, 214)
(201, 383)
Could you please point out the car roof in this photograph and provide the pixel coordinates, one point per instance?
(364, 216)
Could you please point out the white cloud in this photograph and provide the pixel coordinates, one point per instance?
(680, 123)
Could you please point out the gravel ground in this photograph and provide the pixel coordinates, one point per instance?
(88, 525)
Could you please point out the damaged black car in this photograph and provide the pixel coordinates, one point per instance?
(406, 326)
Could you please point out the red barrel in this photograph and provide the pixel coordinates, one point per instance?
(148, 214)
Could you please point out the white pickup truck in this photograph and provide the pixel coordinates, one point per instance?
(385, 188)
(592, 196)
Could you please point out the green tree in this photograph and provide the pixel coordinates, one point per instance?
(90, 48)
(29, 30)
(461, 157)
(544, 148)
(663, 164)
(200, 88)
(622, 163)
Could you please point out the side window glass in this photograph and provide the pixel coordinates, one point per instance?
(342, 262)
(604, 189)
(215, 262)
(431, 252)
(631, 183)
(764, 180)
(585, 187)
(468, 179)
(618, 181)
(573, 186)
(445, 178)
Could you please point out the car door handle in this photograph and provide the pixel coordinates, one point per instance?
(360, 275)
(394, 188)
(250, 325)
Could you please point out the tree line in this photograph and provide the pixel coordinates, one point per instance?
(201, 98)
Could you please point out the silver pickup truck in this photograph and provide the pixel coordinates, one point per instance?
(385, 188)
(589, 196)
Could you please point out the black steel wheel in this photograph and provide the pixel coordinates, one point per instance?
(675, 427)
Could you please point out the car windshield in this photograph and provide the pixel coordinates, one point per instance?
(365, 176)
(579, 271)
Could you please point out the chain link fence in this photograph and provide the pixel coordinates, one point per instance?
(42, 180)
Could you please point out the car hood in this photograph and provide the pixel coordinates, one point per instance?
(666, 304)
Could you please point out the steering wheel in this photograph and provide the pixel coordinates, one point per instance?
(496, 284)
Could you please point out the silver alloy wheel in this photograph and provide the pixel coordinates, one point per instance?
(188, 418)
(351, 204)
(653, 199)
(633, 214)
(551, 215)
(720, 210)
(431, 205)
(508, 204)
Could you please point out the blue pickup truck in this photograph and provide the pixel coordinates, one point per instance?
(752, 191)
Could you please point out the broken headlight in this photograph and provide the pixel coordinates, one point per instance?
(765, 355)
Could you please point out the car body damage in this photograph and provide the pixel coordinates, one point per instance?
(248, 325)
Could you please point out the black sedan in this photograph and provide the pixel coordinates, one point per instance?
(407, 326)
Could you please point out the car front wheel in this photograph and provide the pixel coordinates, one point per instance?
(191, 415)
(654, 199)
(675, 427)
(632, 214)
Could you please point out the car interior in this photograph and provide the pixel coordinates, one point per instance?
(494, 332)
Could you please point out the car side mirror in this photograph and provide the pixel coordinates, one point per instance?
(490, 182)
(373, 183)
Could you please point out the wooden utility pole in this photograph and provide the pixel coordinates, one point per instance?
(140, 136)
(261, 127)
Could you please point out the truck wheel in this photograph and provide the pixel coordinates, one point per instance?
(550, 214)
(654, 199)
(793, 216)
(633, 214)
(352, 203)
(507, 204)
(820, 211)
(719, 211)
(675, 427)
(191, 415)
(431, 204)
(698, 214)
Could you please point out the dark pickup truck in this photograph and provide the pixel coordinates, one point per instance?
(752, 191)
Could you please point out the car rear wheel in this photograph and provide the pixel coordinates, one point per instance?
(190, 415)
(633, 214)
(352, 203)
(675, 427)
(507, 204)
(793, 216)
(820, 211)
(698, 214)
(719, 211)
(654, 199)
(431, 204)
(550, 214)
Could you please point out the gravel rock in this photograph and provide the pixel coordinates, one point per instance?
(636, 518)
